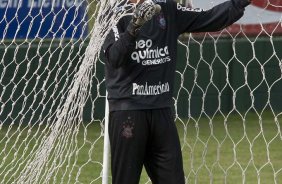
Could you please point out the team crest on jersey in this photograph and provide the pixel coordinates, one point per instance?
(162, 21)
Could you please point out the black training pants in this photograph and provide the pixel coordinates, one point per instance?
(149, 138)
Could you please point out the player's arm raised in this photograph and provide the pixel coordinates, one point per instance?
(214, 19)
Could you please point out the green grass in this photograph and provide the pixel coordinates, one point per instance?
(232, 150)
(225, 150)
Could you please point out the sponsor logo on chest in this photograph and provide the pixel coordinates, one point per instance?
(150, 89)
(146, 55)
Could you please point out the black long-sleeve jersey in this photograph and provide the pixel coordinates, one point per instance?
(140, 70)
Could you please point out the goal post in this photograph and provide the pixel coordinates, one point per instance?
(54, 112)
(106, 150)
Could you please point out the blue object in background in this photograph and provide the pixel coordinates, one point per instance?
(23, 19)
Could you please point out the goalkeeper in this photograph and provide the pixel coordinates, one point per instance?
(140, 67)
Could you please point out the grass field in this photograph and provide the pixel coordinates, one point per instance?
(221, 150)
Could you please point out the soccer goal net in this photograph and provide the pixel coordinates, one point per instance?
(228, 100)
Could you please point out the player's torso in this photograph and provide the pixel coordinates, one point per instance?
(148, 74)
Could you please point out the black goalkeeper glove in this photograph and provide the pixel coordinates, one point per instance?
(143, 13)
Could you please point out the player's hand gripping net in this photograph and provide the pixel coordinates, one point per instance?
(143, 13)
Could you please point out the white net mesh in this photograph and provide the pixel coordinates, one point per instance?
(229, 90)
(227, 98)
(51, 89)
